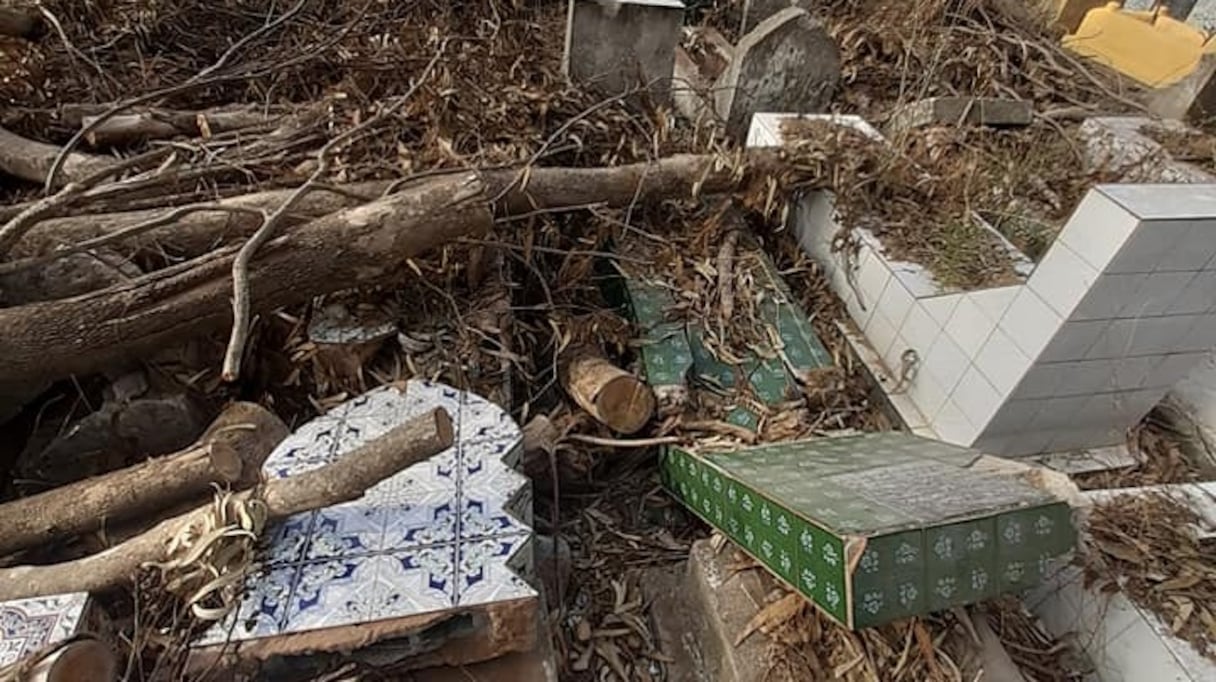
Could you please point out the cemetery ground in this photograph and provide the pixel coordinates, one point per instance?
(261, 260)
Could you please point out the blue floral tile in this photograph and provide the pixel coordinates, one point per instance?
(262, 609)
(350, 590)
(345, 530)
(486, 517)
(434, 476)
(426, 521)
(483, 574)
(455, 524)
(482, 420)
(29, 625)
(286, 540)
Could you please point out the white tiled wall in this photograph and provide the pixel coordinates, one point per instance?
(1119, 309)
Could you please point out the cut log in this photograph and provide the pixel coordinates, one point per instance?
(357, 246)
(231, 453)
(30, 160)
(342, 481)
(616, 398)
(80, 660)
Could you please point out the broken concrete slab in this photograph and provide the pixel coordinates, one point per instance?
(877, 527)
(970, 111)
(700, 608)
(788, 63)
(1193, 98)
(617, 46)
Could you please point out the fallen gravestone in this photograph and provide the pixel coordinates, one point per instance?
(616, 46)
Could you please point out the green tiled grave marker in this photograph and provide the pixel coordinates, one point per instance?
(876, 527)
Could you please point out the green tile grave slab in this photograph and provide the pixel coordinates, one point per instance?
(876, 527)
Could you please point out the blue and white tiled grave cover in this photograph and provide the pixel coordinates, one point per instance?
(28, 625)
(452, 531)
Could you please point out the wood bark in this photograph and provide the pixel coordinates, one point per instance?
(30, 160)
(196, 233)
(342, 481)
(231, 452)
(360, 245)
(81, 660)
(18, 23)
(616, 398)
(159, 124)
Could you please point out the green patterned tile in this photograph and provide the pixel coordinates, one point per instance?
(962, 563)
(889, 581)
(1027, 539)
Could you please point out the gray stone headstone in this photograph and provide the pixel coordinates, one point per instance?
(789, 63)
(756, 11)
(616, 46)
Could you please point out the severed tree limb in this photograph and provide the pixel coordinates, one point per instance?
(197, 229)
(240, 265)
(29, 160)
(231, 453)
(342, 481)
(361, 245)
(613, 396)
(158, 124)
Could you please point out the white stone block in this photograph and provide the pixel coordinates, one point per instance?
(928, 394)
(1199, 295)
(1014, 417)
(1040, 381)
(1174, 368)
(895, 303)
(1143, 336)
(969, 326)
(1073, 340)
(945, 362)
(1109, 296)
(940, 308)
(919, 331)
(1193, 250)
(953, 426)
(881, 333)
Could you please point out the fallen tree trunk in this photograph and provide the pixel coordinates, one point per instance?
(195, 233)
(616, 398)
(361, 245)
(230, 453)
(159, 124)
(31, 160)
(342, 481)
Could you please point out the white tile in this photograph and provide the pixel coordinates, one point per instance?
(1030, 322)
(1083, 439)
(1027, 443)
(1109, 295)
(1148, 246)
(1162, 201)
(1121, 409)
(880, 333)
(895, 303)
(872, 278)
(994, 302)
(945, 362)
(1073, 340)
(1144, 336)
(915, 278)
(919, 330)
(1058, 413)
(1157, 293)
(928, 394)
(1171, 369)
(1200, 336)
(1062, 278)
(1199, 296)
(969, 326)
(1040, 381)
(925, 432)
(940, 308)
(1194, 249)
(1097, 228)
(952, 426)
(1137, 654)
(1132, 373)
(1014, 416)
(1002, 362)
(977, 398)
(1085, 377)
